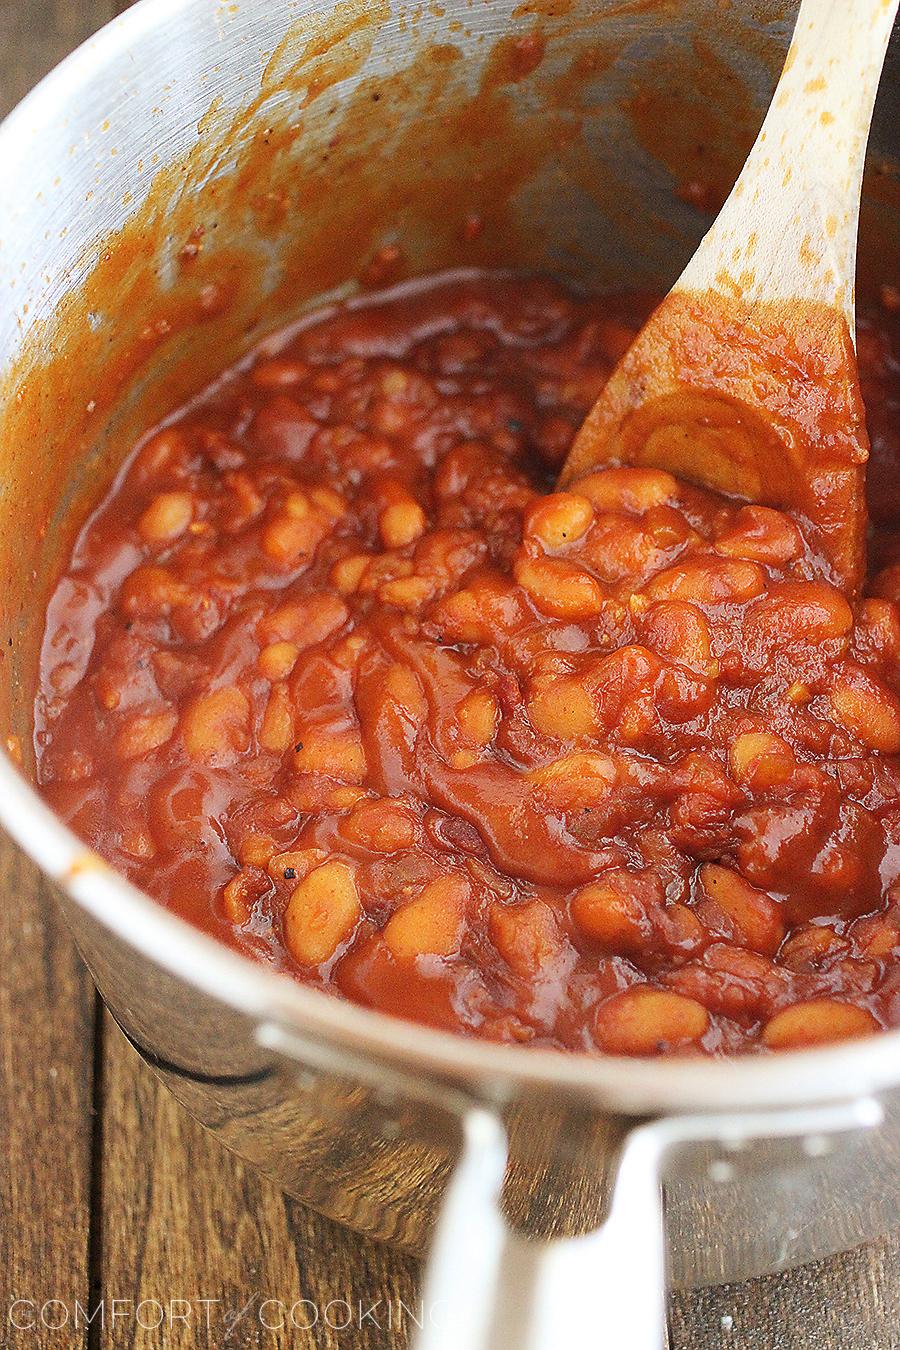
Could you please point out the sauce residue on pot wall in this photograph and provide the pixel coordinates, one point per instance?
(329, 185)
(702, 127)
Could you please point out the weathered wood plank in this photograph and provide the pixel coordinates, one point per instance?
(36, 34)
(47, 1002)
(185, 1220)
(46, 1037)
(851, 1302)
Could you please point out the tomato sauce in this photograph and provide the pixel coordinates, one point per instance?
(334, 673)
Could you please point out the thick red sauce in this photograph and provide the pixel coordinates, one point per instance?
(332, 676)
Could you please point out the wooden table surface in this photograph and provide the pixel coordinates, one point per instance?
(111, 1195)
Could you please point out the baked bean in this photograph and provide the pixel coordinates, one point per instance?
(242, 894)
(679, 929)
(279, 374)
(402, 522)
(797, 693)
(759, 760)
(625, 685)
(390, 418)
(478, 715)
(526, 936)
(406, 593)
(878, 936)
(336, 754)
(818, 1021)
(679, 632)
(295, 864)
(347, 573)
(559, 588)
(166, 450)
(298, 505)
(463, 617)
(484, 613)
(647, 1021)
(612, 916)
(152, 593)
(234, 900)
(620, 551)
(798, 612)
(216, 726)
(276, 732)
(321, 914)
(303, 622)
(290, 538)
(732, 981)
(761, 535)
(867, 709)
(559, 520)
(626, 911)
(382, 826)
(634, 490)
(167, 517)
(328, 501)
(385, 568)
(562, 708)
(278, 660)
(404, 690)
(808, 948)
(709, 581)
(578, 780)
(347, 652)
(145, 732)
(752, 918)
(245, 503)
(432, 924)
(255, 850)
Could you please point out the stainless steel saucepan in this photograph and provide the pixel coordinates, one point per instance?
(196, 174)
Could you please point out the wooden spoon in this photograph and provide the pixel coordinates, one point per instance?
(745, 378)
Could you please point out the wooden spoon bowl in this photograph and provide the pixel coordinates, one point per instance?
(745, 379)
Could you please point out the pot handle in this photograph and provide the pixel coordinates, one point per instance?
(488, 1288)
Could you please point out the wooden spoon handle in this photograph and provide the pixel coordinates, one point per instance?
(788, 229)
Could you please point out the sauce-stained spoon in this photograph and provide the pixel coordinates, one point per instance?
(744, 379)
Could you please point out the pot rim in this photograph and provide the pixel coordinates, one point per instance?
(629, 1086)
